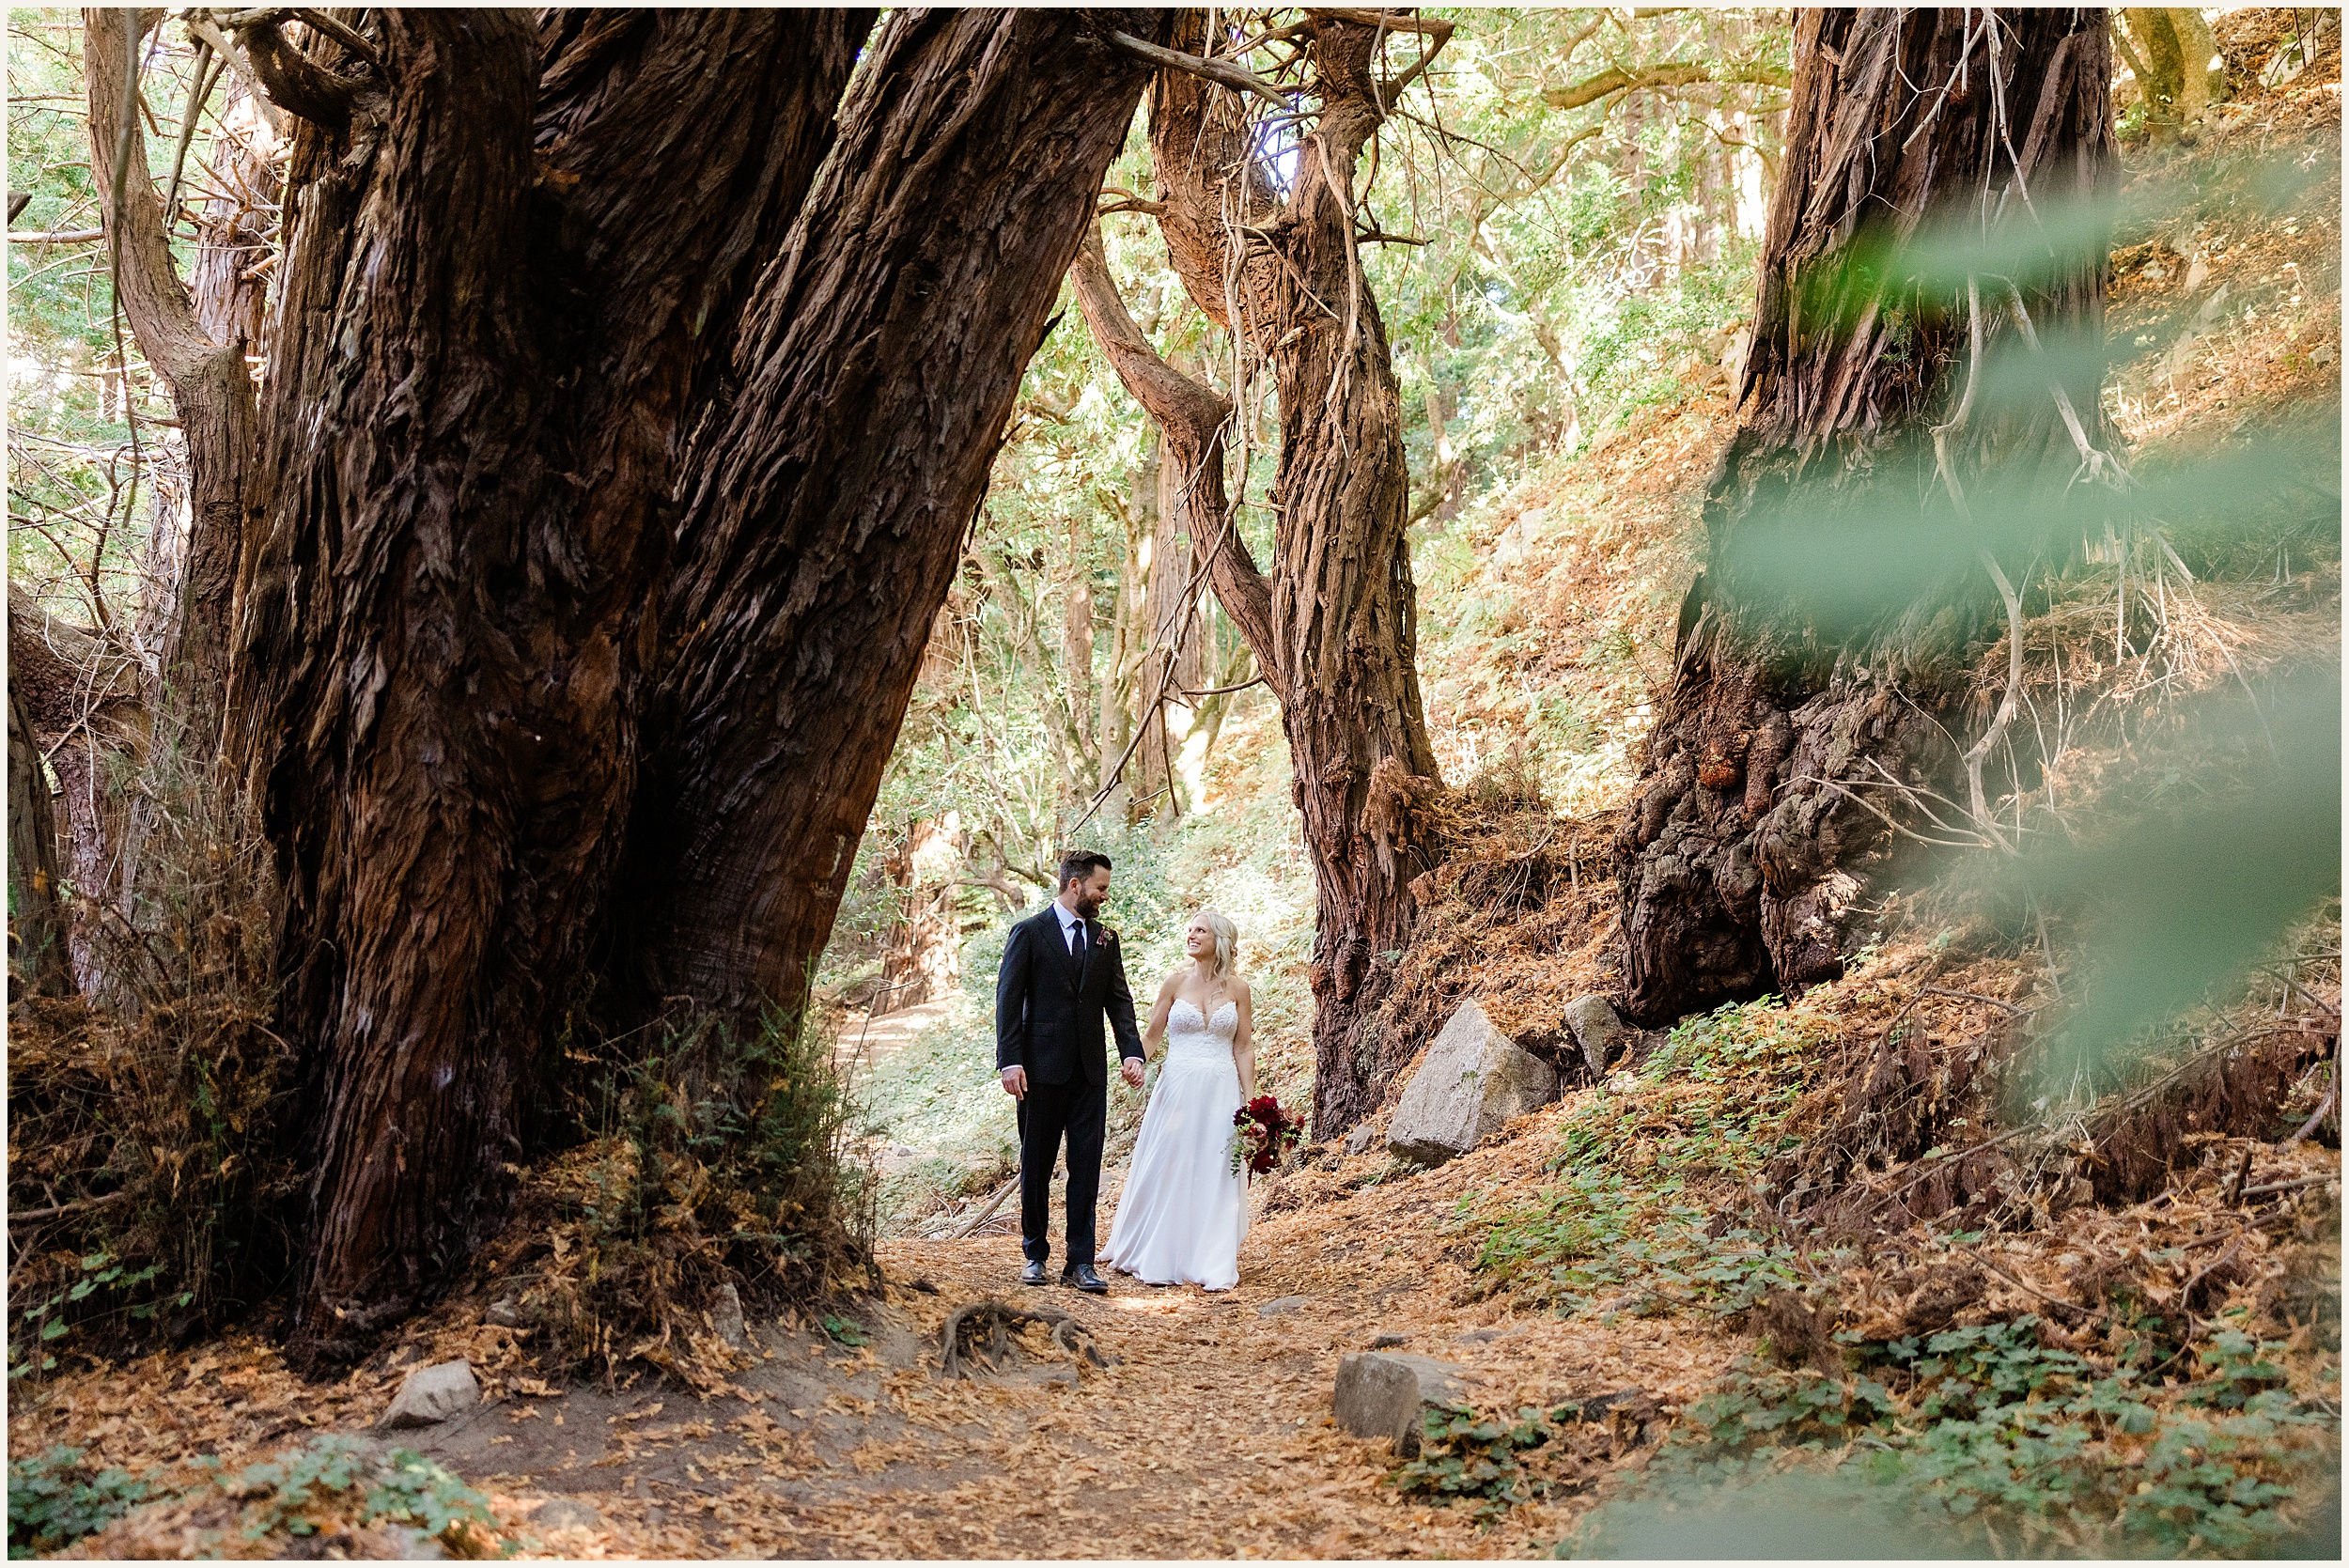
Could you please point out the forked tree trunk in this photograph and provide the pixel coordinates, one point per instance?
(518, 267)
(211, 389)
(511, 270)
(826, 512)
(1333, 627)
(1749, 844)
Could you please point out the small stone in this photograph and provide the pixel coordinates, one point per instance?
(1593, 1025)
(566, 1514)
(505, 1312)
(1383, 1396)
(726, 1312)
(1473, 1080)
(656, 1517)
(1388, 1341)
(2321, 354)
(416, 1546)
(1285, 1305)
(1360, 1138)
(431, 1396)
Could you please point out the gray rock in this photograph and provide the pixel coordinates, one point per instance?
(1474, 1079)
(566, 1514)
(1381, 1395)
(416, 1546)
(1285, 1305)
(505, 1312)
(1388, 1341)
(431, 1396)
(1593, 1024)
(726, 1312)
(1360, 1138)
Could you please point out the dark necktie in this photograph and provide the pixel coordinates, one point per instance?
(1077, 940)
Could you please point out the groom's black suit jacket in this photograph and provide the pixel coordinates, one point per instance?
(1049, 1008)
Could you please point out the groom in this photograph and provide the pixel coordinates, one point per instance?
(1060, 973)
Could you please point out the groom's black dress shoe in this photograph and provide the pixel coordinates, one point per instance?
(1080, 1277)
(1032, 1274)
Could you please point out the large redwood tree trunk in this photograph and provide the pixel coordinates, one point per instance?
(1760, 825)
(827, 510)
(1333, 626)
(512, 264)
(615, 464)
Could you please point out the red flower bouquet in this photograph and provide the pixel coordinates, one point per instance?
(1266, 1133)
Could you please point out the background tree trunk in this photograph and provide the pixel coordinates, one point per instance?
(1333, 627)
(1744, 848)
(36, 945)
(826, 513)
(469, 465)
(211, 389)
(84, 703)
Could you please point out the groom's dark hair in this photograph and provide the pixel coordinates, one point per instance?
(1075, 867)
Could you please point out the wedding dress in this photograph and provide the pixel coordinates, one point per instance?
(1183, 1212)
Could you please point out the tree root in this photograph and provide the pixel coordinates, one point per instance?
(982, 1335)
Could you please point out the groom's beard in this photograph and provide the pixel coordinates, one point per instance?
(1087, 908)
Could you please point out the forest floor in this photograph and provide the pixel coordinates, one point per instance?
(1586, 1252)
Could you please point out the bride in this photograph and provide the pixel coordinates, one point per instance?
(1184, 1210)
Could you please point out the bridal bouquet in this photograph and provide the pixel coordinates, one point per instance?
(1266, 1133)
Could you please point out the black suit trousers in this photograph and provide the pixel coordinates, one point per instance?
(1079, 1112)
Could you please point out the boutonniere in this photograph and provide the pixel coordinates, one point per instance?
(1109, 937)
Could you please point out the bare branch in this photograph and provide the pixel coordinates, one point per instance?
(1615, 78)
(1221, 71)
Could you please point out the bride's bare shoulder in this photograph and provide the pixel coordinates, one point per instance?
(1173, 983)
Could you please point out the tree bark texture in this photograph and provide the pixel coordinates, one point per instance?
(37, 959)
(827, 509)
(1746, 846)
(211, 389)
(1333, 625)
(82, 701)
(512, 265)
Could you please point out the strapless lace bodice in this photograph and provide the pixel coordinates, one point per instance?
(1193, 1039)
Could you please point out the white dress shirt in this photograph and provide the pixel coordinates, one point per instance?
(1069, 926)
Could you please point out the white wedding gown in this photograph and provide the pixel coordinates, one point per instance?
(1183, 1213)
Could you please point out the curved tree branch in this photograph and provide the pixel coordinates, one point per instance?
(1192, 419)
(1615, 78)
(294, 80)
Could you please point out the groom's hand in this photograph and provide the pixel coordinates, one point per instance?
(1129, 1068)
(1016, 1081)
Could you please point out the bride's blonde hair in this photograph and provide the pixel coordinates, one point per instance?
(1226, 940)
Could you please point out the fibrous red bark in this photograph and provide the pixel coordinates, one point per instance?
(211, 389)
(509, 276)
(1750, 843)
(826, 511)
(1333, 626)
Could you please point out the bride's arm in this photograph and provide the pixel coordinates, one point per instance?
(1154, 1039)
(1244, 1043)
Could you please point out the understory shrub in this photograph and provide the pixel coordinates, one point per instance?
(146, 1170)
(717, 1157)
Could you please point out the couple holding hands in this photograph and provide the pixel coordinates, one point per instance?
(1184, 1209)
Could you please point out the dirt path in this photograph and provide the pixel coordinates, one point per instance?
(873, 1039)
(1210, 1436)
